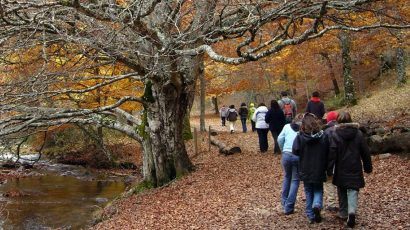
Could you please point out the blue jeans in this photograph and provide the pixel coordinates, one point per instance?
(347, 201)
(244, 128)
(290, 164)
(263, 139)
(314, 198)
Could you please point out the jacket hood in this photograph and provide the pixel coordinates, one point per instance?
(244, 106)
(286, 99)
(295, 126)
(315, 99)
(312, 137)
(347, 131)
(232, 110)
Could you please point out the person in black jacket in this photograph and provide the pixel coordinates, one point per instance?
(312, 146)
(348, 149)
(276, 120)
(315, 106)
(243, 114)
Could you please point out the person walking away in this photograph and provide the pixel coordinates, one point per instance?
(349, 155)
(250, 115)
(315, 106)
(288, 107)
(232, 116)
(223, 111)
(243, 114)
(262, 128)
(329, 188)
(276, 120)
(312, 147)
(290, 165)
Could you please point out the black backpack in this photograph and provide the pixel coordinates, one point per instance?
(232, 116)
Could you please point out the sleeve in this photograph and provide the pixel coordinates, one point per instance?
(323, 111)
(331, 159)
(281, 138)
(268, 116)
(296, 147)
(227, 115)
(294, 108)
(307, 108)
(254, 115)
(365, 155)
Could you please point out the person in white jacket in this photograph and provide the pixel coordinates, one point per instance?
(262, 128)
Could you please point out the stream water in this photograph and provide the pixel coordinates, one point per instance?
(61, 197)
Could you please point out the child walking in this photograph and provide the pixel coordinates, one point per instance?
(312, 146)
(348, 150)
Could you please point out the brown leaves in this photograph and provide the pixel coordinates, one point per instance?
(242, 191)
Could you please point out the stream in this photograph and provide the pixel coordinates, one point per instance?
(57, 196)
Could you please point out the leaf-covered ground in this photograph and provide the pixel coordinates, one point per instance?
(242, 191)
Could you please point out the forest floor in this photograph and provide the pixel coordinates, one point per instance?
(242, 191)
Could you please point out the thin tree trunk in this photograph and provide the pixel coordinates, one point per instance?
(350, 97)
(215, 103)
(332, 73)
(401, 67)
(202, 103)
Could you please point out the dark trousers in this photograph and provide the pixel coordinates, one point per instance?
(223, 119)
(275, 139)
(263, 139)
(253, 126)
(244, 128)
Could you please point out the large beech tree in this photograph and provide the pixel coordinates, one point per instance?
(162, 43)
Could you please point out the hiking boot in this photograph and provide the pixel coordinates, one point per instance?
(351, 220)
(289, 213)
(317, 218)
(231, 131)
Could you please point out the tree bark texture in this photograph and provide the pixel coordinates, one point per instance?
(345, 41)
(401, 67)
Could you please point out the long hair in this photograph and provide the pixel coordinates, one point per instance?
(344, 117)
(310, 124)
(274, 105)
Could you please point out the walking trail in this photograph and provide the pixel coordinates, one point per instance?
(242, 191)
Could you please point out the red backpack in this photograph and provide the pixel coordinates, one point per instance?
(287, 109)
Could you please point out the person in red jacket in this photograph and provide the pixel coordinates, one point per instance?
(316, 106)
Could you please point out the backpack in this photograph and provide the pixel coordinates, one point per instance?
(232, 116)
(288, 111)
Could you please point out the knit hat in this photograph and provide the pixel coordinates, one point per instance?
(251, 104)
(331, 116)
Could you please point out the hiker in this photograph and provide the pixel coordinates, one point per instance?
(312, 146)
(243, 114)
(250, 114)
(223, 111)
(290, 165)
(315, 106)
(288, 106)
(349, 155)
(262, 128)
(232, 116)
(276, 120)
(329, 188)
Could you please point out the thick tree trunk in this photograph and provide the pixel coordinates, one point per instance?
(401, 67)
(350, 97)
(165, 156)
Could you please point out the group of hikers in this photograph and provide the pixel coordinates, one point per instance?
(325, 152)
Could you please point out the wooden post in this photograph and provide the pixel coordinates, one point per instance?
(209, 138)
(195, 141)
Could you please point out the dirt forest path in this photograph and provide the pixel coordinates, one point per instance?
(242, 191)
